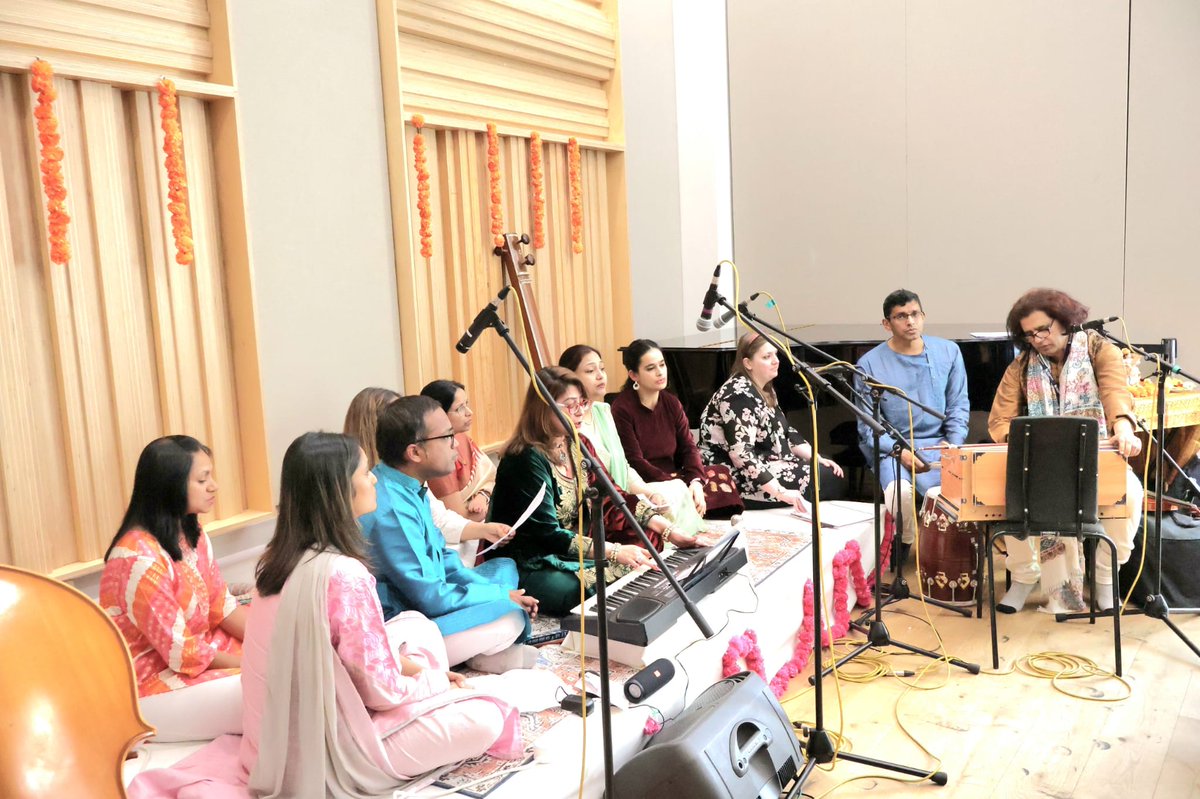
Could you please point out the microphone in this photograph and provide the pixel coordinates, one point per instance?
(483, 320)
(1096, 324)
(705, 321)
(723, 319)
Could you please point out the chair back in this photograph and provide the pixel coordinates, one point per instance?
(1052, 473)
(67, 690)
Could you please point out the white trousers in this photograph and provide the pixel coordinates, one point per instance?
(1022, 561)
(486, 639)
(909, 533)
(197, 712)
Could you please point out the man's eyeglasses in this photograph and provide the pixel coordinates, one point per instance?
(901, 318)
(447, 436)
(1037, 332)
(574, 404)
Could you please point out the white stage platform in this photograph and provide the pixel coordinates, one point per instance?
(773, 608)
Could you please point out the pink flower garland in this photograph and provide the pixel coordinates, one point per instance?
(847, 565)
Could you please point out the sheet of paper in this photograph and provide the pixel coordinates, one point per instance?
(528, 690)
(537, 500)
(834, 514)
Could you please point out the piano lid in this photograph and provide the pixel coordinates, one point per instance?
(726, 337)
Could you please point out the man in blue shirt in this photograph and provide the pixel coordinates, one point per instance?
(481, 613)
(930, 370)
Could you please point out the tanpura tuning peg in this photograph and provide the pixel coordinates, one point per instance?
(529, 260)
(524, 238)
(497, 251)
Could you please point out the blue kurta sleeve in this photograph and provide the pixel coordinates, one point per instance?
(428, 578)
(958, 406)
(866, 437)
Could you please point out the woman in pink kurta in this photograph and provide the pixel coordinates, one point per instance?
(162, 588)
(316, 641)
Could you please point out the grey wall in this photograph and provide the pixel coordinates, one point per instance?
(968, 151)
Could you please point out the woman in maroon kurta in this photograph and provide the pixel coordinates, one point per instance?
(654, 430)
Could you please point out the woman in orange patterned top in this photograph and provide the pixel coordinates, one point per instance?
(162, 588)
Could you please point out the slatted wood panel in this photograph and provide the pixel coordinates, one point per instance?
(574, 293)
(168, 37)
(537, 64)
(121, 345)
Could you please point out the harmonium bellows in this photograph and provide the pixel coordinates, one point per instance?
(973, 482)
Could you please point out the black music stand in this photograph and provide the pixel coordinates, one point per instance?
(488, 317)
(1155, 605)
(819, 747)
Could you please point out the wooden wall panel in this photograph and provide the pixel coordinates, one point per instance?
(122, 344)
(126, 319)
(443, 294)
(168, 36)
(533, 64)
(216, 352)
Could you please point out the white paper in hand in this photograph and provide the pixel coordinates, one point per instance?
(537, 500)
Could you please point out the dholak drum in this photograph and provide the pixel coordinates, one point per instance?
(948, 555)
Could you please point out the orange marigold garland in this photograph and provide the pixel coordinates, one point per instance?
(536, 180)
(576, 195)
(493, 165)
(422, 187)
(177, 190)
(42, 82)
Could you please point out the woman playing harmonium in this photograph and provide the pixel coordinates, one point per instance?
(672, 496)
(744, 428)
(547, 546)
(1062, 370)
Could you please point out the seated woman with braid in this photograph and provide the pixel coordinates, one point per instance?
(467, 492)
(547, 546)
(671, 496)
(744, 428)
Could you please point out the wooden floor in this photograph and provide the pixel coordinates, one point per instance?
(1015, 735)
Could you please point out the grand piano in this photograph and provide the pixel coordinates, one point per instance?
(698, 364)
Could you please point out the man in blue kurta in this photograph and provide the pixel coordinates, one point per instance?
(930, 370)
(481, 613)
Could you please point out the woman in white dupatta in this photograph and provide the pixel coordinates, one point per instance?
(1064, 370)
(335, 703)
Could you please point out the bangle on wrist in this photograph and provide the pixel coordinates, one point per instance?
(613, 551)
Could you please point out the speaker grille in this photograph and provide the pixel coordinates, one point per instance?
(786, 772)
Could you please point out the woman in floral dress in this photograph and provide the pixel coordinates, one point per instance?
(744, 428)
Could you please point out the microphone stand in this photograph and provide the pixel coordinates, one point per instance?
(819, 747)
(491, 318)
(1155, 605)
(898, 589)
(877, 634)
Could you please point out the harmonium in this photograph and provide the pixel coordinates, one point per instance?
(973, 483)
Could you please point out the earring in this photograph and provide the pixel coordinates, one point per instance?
(635, 385)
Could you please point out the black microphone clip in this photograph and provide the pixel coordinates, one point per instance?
(1097, 324)
(483, 320)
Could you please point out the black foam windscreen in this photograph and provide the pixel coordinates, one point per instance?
(648, 680)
